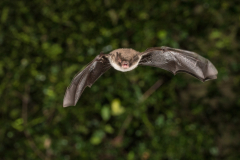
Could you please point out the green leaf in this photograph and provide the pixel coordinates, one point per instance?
(117, 109)
(105, 112)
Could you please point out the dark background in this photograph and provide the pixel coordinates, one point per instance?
(44, 43)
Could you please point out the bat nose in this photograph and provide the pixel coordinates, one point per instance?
(125, 64)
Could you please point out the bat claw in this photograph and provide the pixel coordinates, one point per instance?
(101, 57)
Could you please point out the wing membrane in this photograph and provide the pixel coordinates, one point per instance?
(85, 78)
(177, 60)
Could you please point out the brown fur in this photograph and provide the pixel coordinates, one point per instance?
(125, 53)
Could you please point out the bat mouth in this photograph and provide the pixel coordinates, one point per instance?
(125, 65)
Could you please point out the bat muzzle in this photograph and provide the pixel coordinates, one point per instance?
(125, 64)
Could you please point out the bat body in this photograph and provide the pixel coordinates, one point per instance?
(126, 59)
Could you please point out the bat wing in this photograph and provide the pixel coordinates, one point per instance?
(85, 78)
(177, 60)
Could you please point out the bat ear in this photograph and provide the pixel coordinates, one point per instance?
(101, 53)
(118, 54)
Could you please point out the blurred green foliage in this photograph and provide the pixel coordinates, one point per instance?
(44, 43)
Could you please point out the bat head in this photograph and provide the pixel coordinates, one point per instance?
(124, 59)
(121, 62)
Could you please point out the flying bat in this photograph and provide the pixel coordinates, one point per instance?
(127, 59)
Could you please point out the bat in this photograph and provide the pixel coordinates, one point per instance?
(127, 59)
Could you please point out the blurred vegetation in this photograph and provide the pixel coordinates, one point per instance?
(44, 43)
